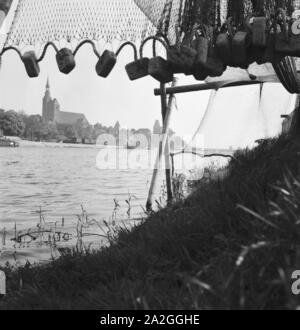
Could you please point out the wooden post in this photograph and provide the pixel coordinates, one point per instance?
(217, 85)
(164, 109)
(163, 147)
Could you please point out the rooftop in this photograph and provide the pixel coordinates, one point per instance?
(69, 118)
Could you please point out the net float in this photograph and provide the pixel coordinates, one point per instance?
(31, 64)
(106, 63)
(160, 70)
(65, 60)
(138, 69)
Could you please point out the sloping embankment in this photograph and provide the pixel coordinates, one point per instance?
(232, 244)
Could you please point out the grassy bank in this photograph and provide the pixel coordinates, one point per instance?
(232, 244)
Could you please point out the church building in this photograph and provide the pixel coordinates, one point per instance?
(52, 112)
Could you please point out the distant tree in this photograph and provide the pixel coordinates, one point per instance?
(47, 131)
(12, 123)
(24, 117)
(33, 127)
(52, 131)
(84, 130)
(98, 130)
(110, 130)
(22, 113)
(70, 132)
(98, 126)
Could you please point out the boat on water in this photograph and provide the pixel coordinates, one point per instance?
(4, 142)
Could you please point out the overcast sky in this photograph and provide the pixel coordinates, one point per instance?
(236, 120)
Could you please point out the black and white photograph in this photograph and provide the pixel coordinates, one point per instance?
(149, 158)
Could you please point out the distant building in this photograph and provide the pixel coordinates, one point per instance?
(157, 129)
(117, 127)
(52, 112)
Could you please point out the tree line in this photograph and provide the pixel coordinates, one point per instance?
(34, 128)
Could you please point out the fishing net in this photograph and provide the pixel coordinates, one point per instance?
(38, 22)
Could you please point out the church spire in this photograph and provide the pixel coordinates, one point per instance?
(48, 84)
(47, 96)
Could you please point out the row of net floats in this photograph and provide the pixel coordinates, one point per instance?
(207, 51)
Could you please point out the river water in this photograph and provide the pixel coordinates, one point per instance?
(59, 180)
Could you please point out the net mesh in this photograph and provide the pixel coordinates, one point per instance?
(37, 22)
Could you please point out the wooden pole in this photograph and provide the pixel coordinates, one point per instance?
(217, 85)
(168, 164)
(163, 147)
(164, 109)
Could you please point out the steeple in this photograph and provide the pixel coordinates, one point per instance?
(47, 96)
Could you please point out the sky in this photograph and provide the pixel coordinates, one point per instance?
(236, 118)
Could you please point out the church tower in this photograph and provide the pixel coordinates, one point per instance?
(47, 94)
(48, 109)
(51, 111)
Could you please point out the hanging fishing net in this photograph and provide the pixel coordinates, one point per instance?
(37, 22)
(196, 29)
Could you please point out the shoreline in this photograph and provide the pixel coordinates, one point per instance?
(220, 248)
(42, 243)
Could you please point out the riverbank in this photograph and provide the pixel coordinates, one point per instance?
(232, 244)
